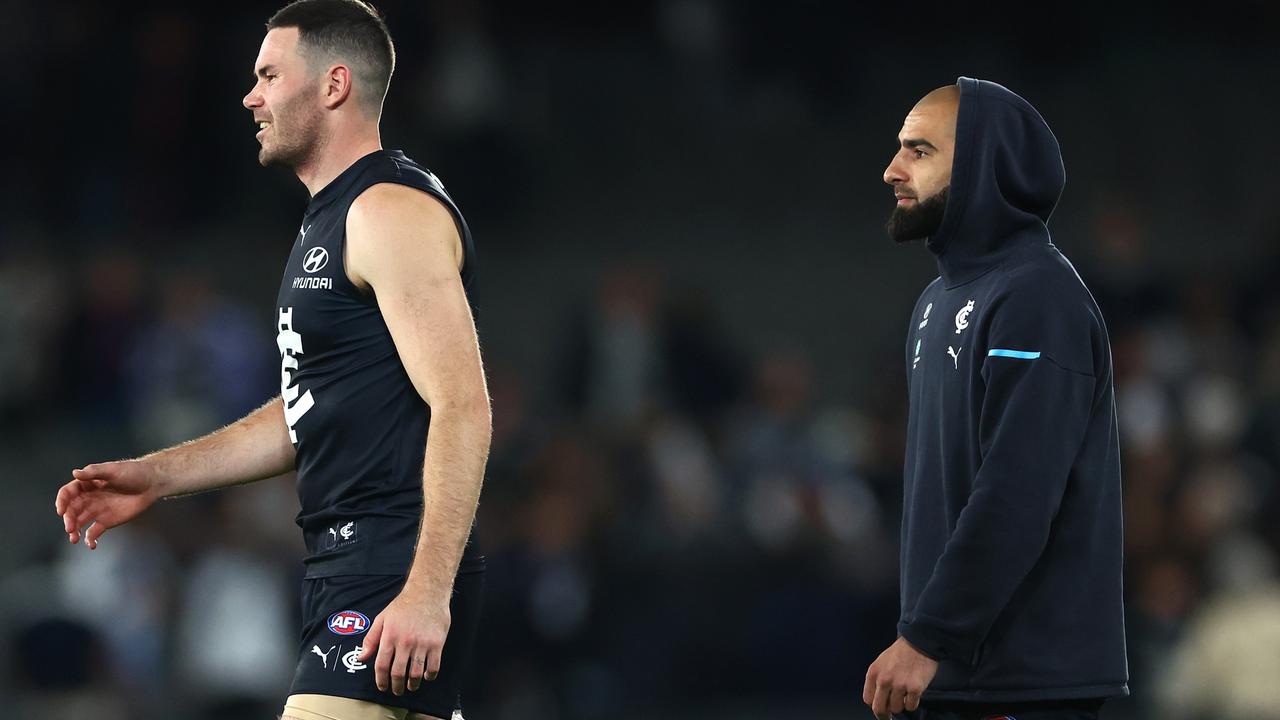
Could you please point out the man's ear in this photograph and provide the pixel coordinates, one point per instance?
(337, 86)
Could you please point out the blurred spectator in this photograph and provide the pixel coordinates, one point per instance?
(613, 365)
(788, 488)
(1121, 269)
(1226, 665)
(201, 363)
(58, 676)
(96, 344)
(236, 623)
(121, 590)
(35, 311)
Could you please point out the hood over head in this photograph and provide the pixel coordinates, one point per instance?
(1006, 178)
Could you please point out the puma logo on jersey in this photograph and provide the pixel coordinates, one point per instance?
(955, 355)
(324, 656)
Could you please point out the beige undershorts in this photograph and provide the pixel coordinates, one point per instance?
(328, 707)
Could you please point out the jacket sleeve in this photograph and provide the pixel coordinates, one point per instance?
(1037, 398)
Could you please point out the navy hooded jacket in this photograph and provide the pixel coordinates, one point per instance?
(1011, 537)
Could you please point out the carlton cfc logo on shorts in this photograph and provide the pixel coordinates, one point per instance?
(348, 622)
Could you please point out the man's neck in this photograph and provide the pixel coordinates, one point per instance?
(332, 156)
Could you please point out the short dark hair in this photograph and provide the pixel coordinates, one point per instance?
(351, 30)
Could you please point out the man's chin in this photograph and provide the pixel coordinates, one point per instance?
(267, 158)
(920, 220)
(903, 228)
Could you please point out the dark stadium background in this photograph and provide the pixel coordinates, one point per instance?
(693, 324)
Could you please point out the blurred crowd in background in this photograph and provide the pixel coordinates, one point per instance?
(692, 324)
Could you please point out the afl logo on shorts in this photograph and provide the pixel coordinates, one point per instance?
(348, 622)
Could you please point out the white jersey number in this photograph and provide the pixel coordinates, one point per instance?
(290, 344)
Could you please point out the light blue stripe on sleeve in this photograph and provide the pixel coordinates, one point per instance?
(1019, 354)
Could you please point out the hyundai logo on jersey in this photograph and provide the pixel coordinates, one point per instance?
(315, 259)
(348, 622)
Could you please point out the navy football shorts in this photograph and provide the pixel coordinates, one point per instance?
(336, 614)
(1086, 709)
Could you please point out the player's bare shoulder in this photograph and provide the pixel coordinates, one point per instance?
(390, 224)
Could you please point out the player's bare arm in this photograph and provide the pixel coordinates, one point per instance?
(404, 246)
(103, 495)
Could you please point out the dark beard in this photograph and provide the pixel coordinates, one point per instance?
(298, 150)
(920, 222)
(298, 144)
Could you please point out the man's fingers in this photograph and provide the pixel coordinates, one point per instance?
(74, 518)
(73, 504)
(66, 494)
(382, 666)
(869, 686)
(94, 532)
(896, 700)
(913, 701)
(400, 668)
(417, 668)
(69, 518)
(880, 703)
(433, 661)
(76, 505)
(82, 515)
(97, 471)
(371, 639)
(92, 477)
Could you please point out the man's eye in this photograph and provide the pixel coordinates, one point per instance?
(919, 153)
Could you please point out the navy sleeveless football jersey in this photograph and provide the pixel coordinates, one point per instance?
(356, 421)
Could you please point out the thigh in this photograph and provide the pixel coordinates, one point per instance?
(328, 707)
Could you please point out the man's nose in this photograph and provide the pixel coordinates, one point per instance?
(251, 100)
(892, 174)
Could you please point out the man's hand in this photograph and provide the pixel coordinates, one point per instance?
(897, 678)
(104, 495)
(408, 637)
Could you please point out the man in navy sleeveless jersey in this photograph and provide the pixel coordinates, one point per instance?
(383, 409)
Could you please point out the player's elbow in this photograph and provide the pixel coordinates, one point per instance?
(471, 409)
